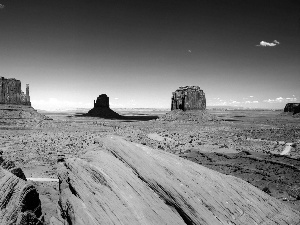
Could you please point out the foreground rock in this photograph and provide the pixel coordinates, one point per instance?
(101, 109)
(128, 183)
(19, 200)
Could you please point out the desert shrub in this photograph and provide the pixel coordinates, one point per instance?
(266, 190)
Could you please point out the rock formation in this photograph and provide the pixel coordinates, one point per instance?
(11, 93)
(188, 98)
(120, 182)
(101, 108)
(292, 107)
(19, 200)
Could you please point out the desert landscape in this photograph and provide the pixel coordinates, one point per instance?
(149, 112)
(259, 147)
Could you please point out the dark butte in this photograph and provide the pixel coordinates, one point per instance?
(101, 108)
(292, 107)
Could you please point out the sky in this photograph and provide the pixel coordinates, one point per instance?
(241, 53)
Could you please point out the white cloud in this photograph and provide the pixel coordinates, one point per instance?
(276, 42)
(116, 98)
(251, 96)
(250, 102)
(268, 44)
(281, 99)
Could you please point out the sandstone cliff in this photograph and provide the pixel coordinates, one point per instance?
(11, 93)
(188, 98)
(121, 182)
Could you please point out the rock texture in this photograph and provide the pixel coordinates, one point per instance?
(11, 93)
(10, 166)
(292, 107)
(121, 182)
(188, 98)
(101, 108)
(19, 200)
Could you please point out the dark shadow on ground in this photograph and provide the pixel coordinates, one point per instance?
(121, 118)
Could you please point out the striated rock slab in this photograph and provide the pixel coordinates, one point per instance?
(19, 201)
(127, 183)
(188, 98)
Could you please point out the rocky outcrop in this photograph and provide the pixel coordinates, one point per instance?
(20, 116)
(196, 116)
(188, 98)
(121, 182)
(19, 200)
(292, 107)
(101, 109)
(11, 93)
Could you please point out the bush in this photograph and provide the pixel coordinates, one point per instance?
(266, 190)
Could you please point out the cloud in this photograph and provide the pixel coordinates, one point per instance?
(251, 96)
(2, 6)
(281, 99)
(116, 98)
(251, 102)
(267, 44)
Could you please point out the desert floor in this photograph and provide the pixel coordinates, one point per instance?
(245, 144)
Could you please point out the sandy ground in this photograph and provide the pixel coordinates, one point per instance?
(37, 148)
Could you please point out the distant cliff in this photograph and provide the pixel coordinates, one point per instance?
(11, 93)
(188, 98)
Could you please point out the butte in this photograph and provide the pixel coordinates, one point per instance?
(101, 109)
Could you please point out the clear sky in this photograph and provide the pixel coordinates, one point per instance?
(244, 53)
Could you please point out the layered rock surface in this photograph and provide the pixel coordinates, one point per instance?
(19, 200)
(126, 183)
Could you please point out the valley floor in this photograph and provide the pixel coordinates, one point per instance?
(245, 144)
